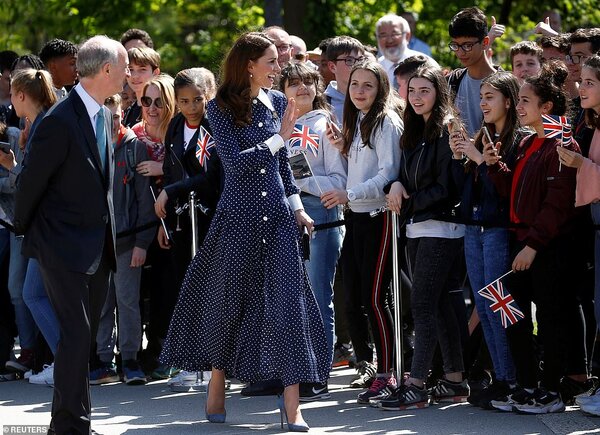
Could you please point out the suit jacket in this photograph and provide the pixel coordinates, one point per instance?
(64, 199)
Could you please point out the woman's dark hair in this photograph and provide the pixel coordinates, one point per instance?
(548, 85)
(301, 71)
(415, 128)
(377, 112)
(37, 84)
(591, 117)
(508, 85)
(234, 92)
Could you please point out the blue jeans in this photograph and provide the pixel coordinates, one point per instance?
(16, 276)
(488, 257)
(36, 298)
(325, 250)
(595, 208)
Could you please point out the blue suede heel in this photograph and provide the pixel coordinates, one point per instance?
(213, 418)
(291, 427)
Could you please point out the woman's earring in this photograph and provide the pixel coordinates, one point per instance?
(251, 75)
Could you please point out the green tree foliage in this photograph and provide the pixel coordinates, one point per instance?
(199, 32)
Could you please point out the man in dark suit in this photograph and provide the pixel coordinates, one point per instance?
(64, 208)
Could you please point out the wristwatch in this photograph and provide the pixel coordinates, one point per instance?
(351, 195)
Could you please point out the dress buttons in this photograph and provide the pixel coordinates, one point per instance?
(262, 171)
(264, 193)
(265, 218)
(260, 124)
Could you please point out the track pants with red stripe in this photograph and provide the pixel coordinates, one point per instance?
(367, 272)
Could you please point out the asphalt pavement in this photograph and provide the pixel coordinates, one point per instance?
(153, 409)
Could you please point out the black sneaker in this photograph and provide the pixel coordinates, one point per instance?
(518, 396)
(495, 391)
(569, 388)
(446, 391)
(406, 397)
(365, 375)
(311, 392)
(541, 402)
(381, 388)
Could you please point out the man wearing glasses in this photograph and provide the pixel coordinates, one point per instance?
(342, 53)
(283, 42)
(469, 41)
(393, 35)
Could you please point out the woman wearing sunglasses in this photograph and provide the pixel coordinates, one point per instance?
(158, 108)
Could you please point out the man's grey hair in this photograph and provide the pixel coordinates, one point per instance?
(392, 19)
(96, 52)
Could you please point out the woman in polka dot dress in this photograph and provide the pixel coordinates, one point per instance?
(246, 308)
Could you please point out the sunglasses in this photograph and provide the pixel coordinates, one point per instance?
(147, 102)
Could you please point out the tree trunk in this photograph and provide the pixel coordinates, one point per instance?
(273, 13)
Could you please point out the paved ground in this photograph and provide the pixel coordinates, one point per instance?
(154, 409)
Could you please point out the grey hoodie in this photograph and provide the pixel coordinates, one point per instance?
(370, 169)
(328, 166)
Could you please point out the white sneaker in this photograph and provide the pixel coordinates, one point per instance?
(27, 374)
(45, 377)
(183, 381)
(586, 399)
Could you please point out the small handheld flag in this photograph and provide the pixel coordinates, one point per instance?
(304, 138)
(502, 301)
(559, 127)
(203, 147)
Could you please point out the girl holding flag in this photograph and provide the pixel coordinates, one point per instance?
(328, 169)
(542, 197)
(588, 181)
(369, 140)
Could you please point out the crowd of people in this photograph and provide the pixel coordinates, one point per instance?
(140, 207)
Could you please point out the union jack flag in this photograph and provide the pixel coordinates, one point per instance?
(203, 147)
(559, 127)
(304, 138)
(502, 301)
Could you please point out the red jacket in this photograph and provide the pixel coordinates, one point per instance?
(545, 197)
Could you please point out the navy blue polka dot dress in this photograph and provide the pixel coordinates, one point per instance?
(246, 305)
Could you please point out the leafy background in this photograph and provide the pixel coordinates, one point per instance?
(198, 33)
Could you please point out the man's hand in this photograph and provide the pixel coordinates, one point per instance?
(138, 257)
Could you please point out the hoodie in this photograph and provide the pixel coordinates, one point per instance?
(329, 167)
(371, 169)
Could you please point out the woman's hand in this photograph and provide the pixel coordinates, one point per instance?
(490, 153)
(289, 120)
(334, 135)
(160, 206)
(456, 138)
(334, 197)
(569, 158)
(524, 259)
(397, 194)
(461, 146)
(163, 241)
(149, 168)
(304, 220)
(8, 159)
